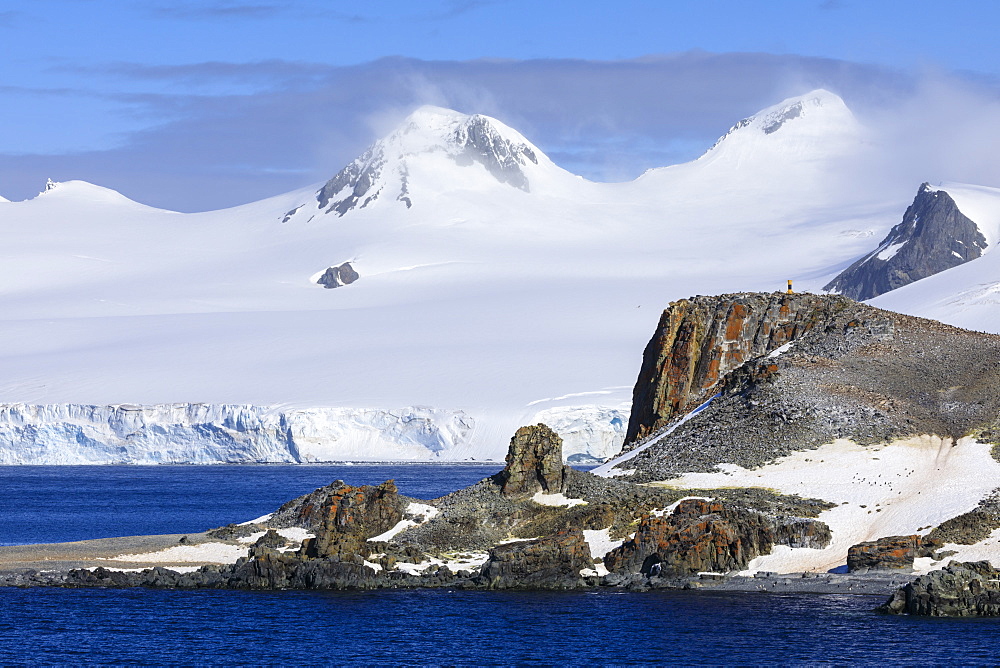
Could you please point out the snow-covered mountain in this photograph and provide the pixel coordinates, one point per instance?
(430, 136)
(488, 287)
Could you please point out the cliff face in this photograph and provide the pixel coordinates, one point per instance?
(698, 341)
(854, 372)
(933, 236)
(701, 535)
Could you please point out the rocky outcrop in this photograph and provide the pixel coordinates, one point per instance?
(970, 589)
(699, 340)
(334, 277)
(891, 552)
(971, 527)
(702, 535)
(933, 236)
(859, 373)
(534, 463)
(349, 516)
(552, 562)
(443, 541)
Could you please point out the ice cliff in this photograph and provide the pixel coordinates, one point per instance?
(190, 433)
(219, 433)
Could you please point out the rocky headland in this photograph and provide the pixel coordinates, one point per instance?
(535, 524)
(789, 372)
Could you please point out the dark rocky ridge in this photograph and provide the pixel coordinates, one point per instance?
(970, 589)
(858, 373)
(971, 527)
(481, 143)
(710, 536)
(524, 544)
(933, 236)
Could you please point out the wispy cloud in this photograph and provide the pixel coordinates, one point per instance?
(438, 10)
(453, 8)
(298, 123)
(221, 9)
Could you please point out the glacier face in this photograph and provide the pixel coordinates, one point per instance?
(589, 433)
(190, 433)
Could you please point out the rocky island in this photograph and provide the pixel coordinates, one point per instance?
(777, 442)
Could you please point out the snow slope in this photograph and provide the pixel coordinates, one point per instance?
(896, 489)
(967, 295)
(493, 285)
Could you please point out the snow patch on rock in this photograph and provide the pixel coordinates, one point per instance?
(558, 500)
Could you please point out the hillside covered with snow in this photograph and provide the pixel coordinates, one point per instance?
(492, 289)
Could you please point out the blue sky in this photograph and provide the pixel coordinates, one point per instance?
(201, 104)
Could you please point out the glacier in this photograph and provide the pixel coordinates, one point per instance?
(192, 433)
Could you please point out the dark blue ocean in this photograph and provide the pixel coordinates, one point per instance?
(73, 626)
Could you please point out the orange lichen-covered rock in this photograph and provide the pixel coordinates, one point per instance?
(700, 340)
(350, 515)
(705, 535)
(891, 552)
(534, 462)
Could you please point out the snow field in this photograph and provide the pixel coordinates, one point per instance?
(507, 306)
(214, 553)
(901, 488)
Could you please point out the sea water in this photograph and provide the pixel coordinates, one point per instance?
(128, 626)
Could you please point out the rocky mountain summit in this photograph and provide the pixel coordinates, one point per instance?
(793, 372)
(383, 170)
(933, 236)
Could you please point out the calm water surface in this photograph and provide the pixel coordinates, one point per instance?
(45, 626)
(48, 504)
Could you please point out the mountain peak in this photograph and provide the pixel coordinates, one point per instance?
(817, 116)
(934, 235)
(83, 191)
(384, 169)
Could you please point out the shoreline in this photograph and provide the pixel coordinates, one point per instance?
(51, 564)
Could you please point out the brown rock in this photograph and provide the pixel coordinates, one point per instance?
(890, 552)
(698, 341)
(534, 462)
(710, 536)
(551, 561)
(350, 515)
